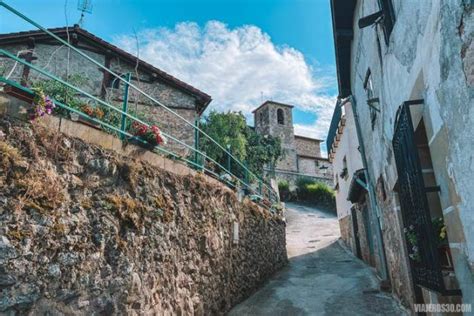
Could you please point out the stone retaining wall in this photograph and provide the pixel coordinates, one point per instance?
(85, 230)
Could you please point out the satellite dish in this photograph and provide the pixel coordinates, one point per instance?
(85, 6)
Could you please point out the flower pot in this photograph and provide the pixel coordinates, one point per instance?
(138, 142)
(88, 122)
(445, 258)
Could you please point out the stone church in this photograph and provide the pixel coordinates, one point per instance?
(301, 155)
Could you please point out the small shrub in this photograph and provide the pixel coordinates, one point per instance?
(43, 189)
(320, 192)
(315, 192)
(284, 190)
(302, 182)
(9, 155)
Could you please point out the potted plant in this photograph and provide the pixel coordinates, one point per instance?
(441, 236)
(41, 105)
(92, 112)
(412, 243)
(147, 136)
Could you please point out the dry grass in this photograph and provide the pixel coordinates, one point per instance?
(128, 209)
(53, 144)
(165, 207)
(18, 234)
(58, 228)
(130, 173)
(9, 156)
(43, 189)
(86, 203)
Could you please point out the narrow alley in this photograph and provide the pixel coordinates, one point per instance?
(322, 278)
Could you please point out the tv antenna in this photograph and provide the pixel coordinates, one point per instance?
(85, 6)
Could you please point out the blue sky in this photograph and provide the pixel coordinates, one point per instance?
(227, 48)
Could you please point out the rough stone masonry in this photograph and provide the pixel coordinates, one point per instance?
(85, 231)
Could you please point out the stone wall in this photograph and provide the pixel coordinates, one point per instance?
(87, 231)
(266, 123)
(167, 94)
(262, 120)
(307, 146)
(345, 226)
(428, 48)
(307, 165)
(172, 126)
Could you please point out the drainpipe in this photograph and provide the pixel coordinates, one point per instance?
(374, 208)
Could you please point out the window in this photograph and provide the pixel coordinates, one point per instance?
(371, 99)
(260, 117)
(385, 17)
(421, 211)
(388, 18)
(344, 173)
(280, 117)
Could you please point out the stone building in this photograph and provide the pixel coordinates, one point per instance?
(301, 155)
(47, 53)
(405, 68)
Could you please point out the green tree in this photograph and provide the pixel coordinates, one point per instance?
(228, 129)
(245, 144)
(262, 150)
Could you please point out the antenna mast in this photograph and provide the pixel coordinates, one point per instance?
(85, 6)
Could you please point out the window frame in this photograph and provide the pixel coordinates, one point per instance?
(280, 117)
(388, 21)
(370, 94)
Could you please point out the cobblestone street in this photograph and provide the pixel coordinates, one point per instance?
(322, 278)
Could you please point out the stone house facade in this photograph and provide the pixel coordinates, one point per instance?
(47, 53)
(406, 70)
(301, 155)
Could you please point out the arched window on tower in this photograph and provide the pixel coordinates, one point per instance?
(280, 117)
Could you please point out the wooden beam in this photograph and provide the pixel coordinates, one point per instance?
(29, 58)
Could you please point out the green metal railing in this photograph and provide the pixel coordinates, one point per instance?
(247, 174)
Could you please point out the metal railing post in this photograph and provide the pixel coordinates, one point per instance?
(228, 158)
(197, 158)
(125, 105)
(246, 173)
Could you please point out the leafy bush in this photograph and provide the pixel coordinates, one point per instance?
(75, 100)
(62, 93)
(284, 189)
(315, 192)
(302, 182)
(320, 192)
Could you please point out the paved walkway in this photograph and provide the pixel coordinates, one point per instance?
(321, 278)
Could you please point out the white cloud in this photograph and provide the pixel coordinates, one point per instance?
(236, 66)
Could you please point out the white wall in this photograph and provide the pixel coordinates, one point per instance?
(347, 147)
